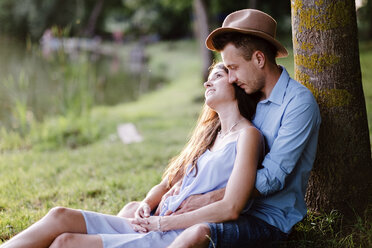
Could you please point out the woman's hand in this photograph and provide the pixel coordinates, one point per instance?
(153, 223)
(136, 226)
(143, 211)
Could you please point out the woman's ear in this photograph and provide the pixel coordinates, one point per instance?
(259, 58)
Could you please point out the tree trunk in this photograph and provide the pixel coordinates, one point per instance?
(89, 31)
(326, 58)
(202, 32)
(253, 4)
(369, 9)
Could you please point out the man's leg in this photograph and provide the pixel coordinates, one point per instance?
(247, 231)
(128, 210)
(196, 236)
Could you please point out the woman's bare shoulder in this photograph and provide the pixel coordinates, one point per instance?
(250, 130)
(250, 135)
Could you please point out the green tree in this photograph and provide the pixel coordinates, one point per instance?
(31, 18)
(326, 57)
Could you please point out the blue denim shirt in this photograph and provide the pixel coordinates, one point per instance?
(289, 119)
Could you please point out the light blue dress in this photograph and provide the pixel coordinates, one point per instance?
(214, 170)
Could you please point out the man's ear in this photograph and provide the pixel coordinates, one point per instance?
(259, 58)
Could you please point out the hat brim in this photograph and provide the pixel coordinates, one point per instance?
(281, 51)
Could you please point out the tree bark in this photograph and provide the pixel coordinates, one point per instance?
(326, 55)
(202, 32)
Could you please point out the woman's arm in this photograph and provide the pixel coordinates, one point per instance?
(238, 190)
(152, 199)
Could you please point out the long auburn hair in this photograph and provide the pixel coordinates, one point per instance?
(205, 133)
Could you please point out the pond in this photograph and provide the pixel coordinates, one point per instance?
(35, 84)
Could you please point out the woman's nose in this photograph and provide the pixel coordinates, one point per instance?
(207, 84)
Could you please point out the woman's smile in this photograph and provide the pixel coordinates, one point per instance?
(209, 92)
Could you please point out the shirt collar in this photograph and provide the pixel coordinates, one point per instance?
(278, 92)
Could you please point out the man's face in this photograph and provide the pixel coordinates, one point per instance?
(246, 74)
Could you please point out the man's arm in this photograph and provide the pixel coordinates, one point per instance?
(299, 123)
(194, 202)
(197, 201)
(297, 126)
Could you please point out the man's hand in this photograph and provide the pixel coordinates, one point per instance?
(194, 202)
(175, 190)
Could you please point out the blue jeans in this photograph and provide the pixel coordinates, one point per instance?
(247, 231)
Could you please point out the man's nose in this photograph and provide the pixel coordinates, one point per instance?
(232, 78)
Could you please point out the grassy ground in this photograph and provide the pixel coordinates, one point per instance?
(106, 174)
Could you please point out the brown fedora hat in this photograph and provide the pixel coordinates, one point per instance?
(249, 21)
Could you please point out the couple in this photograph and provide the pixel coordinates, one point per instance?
(233, 202)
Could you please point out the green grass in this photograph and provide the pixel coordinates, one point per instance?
(106, 174)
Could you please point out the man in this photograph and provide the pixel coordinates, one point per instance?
(289, 118)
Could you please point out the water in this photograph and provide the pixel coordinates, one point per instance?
(33, 85)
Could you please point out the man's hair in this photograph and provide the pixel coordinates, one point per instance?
(247, 44)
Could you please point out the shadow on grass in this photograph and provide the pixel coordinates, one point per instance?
(332, 230)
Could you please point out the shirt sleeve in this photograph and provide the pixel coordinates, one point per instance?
(298, 124)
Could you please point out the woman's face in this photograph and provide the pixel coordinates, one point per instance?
(218, 89)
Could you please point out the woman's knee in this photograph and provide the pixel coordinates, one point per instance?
(58, 214)
(129, 209)
(63, 240)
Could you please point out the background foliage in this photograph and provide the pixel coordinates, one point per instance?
(75, 159)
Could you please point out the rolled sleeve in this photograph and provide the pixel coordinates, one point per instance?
(270, 178)
(297, 125)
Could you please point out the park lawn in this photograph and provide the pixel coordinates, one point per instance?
(105, 175)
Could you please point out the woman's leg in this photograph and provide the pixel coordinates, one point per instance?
(73, 240)
(41, 234)
(128, 210)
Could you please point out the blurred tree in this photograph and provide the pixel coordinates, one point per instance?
(202, 32)
(166, 18)
(252, 4)
(326, 57)
(27, 18)
(31, 18)
(369, 10)
(169, 20)
(365, 19)
(92, 21)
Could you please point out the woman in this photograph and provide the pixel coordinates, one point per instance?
(223, 151)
